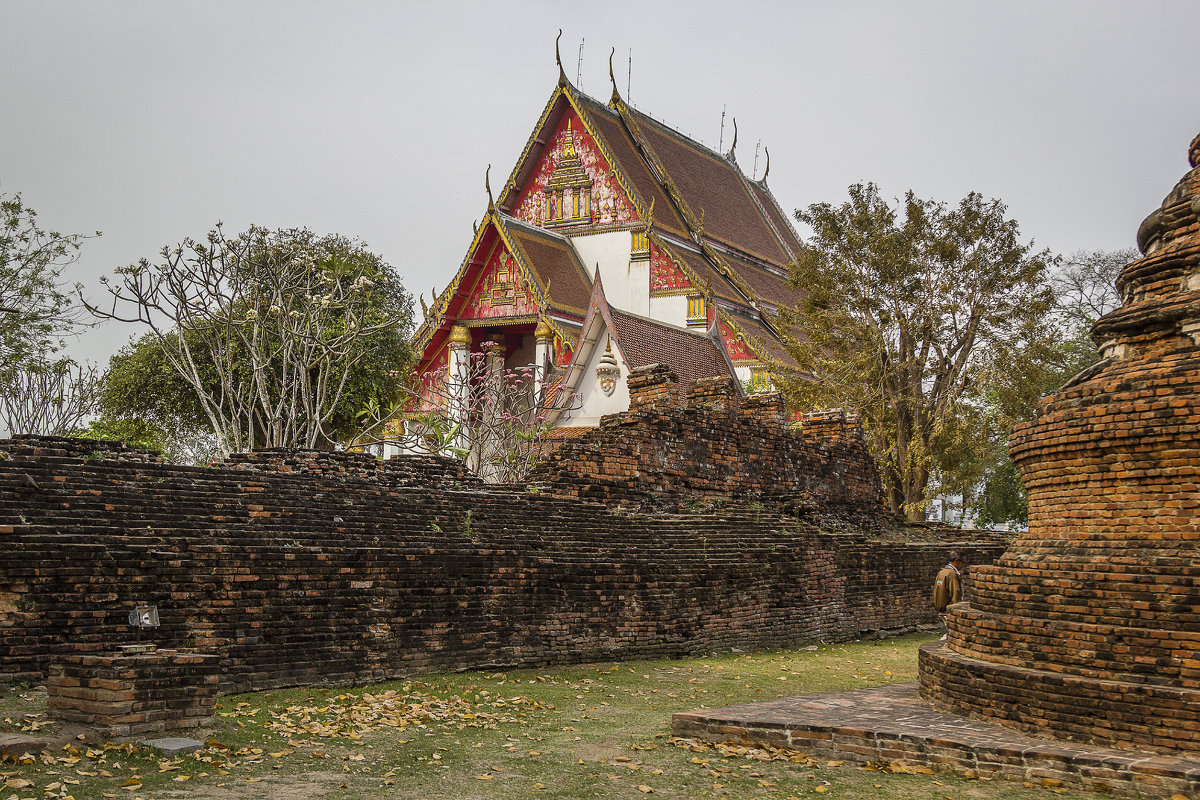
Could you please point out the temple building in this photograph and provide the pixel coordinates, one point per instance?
(617, 242)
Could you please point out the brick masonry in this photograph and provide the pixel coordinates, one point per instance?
(715, 444)
(1088, 628)
(128, 695)
(332, 568)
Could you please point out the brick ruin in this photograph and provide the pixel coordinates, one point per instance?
(330, 568)
(714, 444)
(1088, 628)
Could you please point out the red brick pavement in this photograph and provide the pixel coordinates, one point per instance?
(892, 722)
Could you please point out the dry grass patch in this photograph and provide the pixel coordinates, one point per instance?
(592, 731)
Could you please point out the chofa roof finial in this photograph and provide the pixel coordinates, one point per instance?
(487, 184)
(766, 171)
(616, 95)
(562, 75)
(734, 145)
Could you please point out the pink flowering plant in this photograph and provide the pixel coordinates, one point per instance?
(498, 419)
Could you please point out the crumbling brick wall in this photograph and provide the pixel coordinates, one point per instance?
(302, 568)
(715, 444)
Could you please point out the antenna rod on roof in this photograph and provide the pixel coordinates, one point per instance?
(579, 65)
(721, 142)
(754, 171)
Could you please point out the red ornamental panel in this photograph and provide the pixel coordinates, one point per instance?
(664, 274)
(737, 349)
(500, 291)
(609, 203)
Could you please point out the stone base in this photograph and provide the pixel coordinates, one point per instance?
(127, 695)
(893, 722)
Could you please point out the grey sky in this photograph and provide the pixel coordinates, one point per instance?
(150, 121)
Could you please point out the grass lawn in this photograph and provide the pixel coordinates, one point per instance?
(590, 731)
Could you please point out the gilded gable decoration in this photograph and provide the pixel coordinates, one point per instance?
(569, 190)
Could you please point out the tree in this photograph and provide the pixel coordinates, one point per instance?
(925, 319)
(47, 399)
(36, 312)
(1085, 289)
(495, 419)
(276, 333)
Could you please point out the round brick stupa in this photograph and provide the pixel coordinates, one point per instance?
(1088, 628)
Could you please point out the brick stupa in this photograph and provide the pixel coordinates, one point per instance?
(1088, 628)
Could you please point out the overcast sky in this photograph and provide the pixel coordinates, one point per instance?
(150, 121)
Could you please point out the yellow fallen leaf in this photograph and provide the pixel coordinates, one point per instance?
(483, 777)
(17, 783)
(822, 788)
(644, 789)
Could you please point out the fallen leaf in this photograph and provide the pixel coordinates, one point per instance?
(644, 789)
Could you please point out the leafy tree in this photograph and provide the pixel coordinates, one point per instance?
(279, 335)
(36, 312)
(1085, 289)
(924, 318)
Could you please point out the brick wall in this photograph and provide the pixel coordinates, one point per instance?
(715, 445)
(302, 568)
(1088, 628)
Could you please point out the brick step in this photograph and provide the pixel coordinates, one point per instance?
(1067, 647)
(1089, 710)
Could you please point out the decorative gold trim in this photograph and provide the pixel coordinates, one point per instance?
(497, 322)
(680, 292)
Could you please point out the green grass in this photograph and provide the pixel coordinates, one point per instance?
(593, 731)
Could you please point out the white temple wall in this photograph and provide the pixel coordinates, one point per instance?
(595, 404)
(671, 309)
(626, 283)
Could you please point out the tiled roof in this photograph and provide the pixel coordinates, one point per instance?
(689, 355)
(705, 271)
(608, 124)
(712, 183)
(555, 261)
(763, 339)
(778, 218)
(768, 285)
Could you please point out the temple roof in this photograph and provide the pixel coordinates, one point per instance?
(689, 354)
(725, 231)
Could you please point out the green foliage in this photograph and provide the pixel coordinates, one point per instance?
(931, 321)
(36, 312)
(1004, 500)
(277, 338)
(135, 433)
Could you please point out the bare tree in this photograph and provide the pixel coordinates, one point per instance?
(48, 399)
(280, 318)
(36, 312)
(491, 417)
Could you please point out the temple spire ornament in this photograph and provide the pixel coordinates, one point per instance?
(730, 155)
(562, 75)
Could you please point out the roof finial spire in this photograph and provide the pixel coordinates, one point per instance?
(562, 75)
(487, 184)
(766, 171)
(616, 95)
(733, 146)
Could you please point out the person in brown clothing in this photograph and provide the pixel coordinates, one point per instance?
(947, 588)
